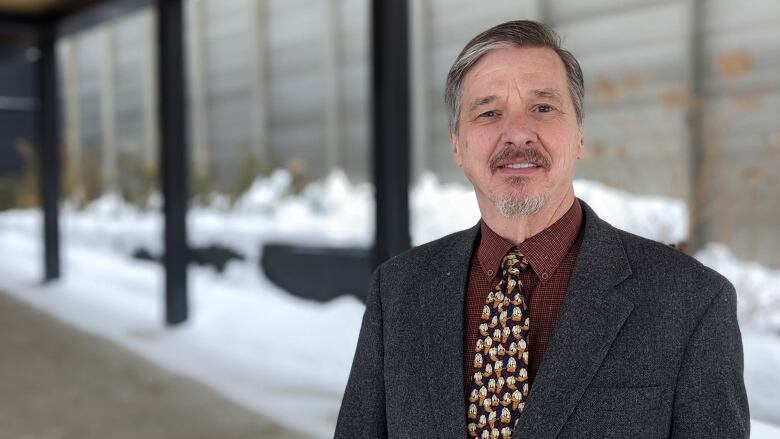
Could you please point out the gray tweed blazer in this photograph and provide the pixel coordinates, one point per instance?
(646, 346)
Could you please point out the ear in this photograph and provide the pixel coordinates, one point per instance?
(581, 143)
(457, 150)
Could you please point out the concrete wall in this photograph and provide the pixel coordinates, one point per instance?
(741, 126)
(682, 96)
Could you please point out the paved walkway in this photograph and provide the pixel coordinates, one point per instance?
(59, 383)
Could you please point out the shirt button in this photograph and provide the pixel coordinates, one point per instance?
(545, 276)
(490, 272)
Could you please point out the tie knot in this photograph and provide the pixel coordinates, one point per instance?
(514, 262)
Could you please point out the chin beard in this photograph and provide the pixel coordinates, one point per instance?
(513, 207)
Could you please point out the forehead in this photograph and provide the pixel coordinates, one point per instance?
(521, 68)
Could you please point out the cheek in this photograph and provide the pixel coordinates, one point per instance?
(490, 134)
(568, 151)
(482, 143)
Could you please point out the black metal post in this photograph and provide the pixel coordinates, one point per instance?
(698, 199)
(391, 134)
(173, 157)
(48, 149)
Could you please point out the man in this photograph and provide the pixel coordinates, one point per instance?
(543, 320)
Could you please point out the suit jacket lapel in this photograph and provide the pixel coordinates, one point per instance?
(441, 305)
(594, 310)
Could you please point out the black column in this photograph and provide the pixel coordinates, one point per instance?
(173, 157)
(391, 134)
(47, 127)
(699, 194)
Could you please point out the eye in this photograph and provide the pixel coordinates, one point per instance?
(543, 108)
(489, 114)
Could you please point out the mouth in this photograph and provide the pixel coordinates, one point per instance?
(518, 168)
(519, 165)
(513, 162)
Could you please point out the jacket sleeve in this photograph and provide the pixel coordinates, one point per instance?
(710, 398)
(362, 413)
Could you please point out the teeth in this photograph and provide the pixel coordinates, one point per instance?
(520, 165)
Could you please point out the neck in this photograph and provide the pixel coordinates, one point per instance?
(517, 230)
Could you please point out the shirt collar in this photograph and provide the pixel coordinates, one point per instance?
(544, 251)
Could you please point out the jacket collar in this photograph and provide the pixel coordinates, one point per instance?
(441, 304)
(544, 251)
(594, 310)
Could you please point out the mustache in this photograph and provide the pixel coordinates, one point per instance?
(513, 153)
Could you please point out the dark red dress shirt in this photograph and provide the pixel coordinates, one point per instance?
(551, 254)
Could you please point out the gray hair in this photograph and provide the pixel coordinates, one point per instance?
(520, 33)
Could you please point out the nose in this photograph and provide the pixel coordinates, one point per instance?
(518, 130)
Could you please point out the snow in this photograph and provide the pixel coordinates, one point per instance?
(762, 430)
(662, 219)
(439, 209)
(239, 322)
(239, 340)
(762, 361)
(758, 287)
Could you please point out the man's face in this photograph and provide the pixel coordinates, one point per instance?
(518, 136)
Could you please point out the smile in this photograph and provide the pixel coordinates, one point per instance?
(512, 161)
(519, 165)
(518, 169)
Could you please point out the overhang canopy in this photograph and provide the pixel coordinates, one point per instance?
(34, 8)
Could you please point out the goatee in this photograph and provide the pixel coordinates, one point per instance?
(513, 207)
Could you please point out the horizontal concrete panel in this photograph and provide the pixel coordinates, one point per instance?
(228, 83)
(224, 9)
(658, 61)
(305, 95)
(727, 15)
(757, 81)
(571, 10)
(295, 22)
(637, 28)
(304, 54)
(730, 121)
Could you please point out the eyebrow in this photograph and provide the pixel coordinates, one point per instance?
(544, 93)
(482, 100)
(547, 93)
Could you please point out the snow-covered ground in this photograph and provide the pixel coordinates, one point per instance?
(239, 340)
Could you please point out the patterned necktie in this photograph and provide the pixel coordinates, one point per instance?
(499, 386)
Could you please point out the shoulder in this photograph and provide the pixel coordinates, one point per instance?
(668, 271)
(423, 254)
(453, 250)
(657, 266)
(663, 258)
